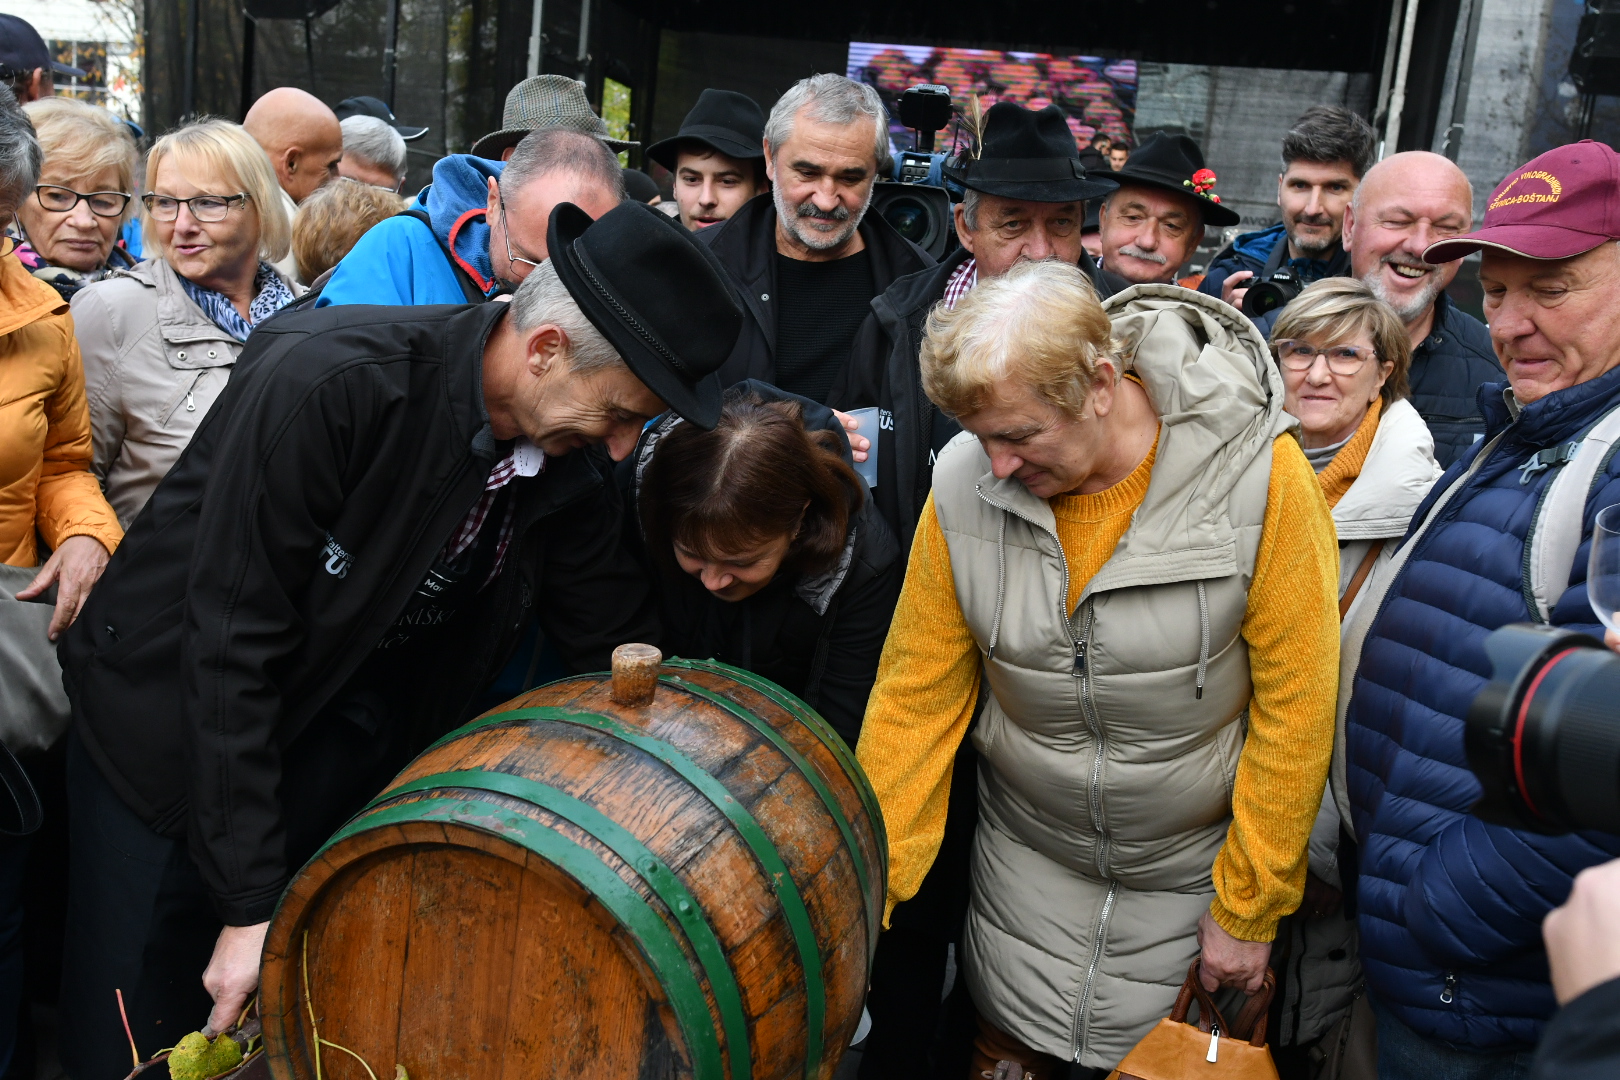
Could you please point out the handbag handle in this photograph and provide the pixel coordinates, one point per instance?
(1251, 1020)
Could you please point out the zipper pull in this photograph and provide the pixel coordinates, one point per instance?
(1448, 994)
(1214, 1041)
(1079, 658)
(191, 401)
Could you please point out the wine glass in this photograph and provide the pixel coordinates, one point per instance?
(1603, 570)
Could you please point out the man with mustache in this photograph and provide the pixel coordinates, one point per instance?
(1405, 203)
(806, 257)
(1324, 155)
(1155, 221)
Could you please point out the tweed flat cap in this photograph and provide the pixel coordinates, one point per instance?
(545, 103)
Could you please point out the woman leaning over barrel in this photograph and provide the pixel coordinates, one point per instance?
(766, 552)
(1128, 547)
(69, 223)
(1344, 357)
(159, 340)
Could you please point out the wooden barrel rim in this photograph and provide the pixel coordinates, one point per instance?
(653, 870)
(748, 829)
(652, 935)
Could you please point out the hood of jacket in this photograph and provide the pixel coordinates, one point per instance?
(1219, 398)
(1399, 471)
(24, 299)
(461, 188)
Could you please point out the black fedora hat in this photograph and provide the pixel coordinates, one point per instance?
(1172, 162)
(656, 293)
(724, 121)
(1028, 155)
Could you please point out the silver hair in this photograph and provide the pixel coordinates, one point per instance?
(20, 155)
(543, 298)
(375, 142)
(544, 152)
(970, 209)
(832, 99)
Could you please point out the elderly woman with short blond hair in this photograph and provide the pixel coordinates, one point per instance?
(1127, 549)
(159, 340)
(69, 222)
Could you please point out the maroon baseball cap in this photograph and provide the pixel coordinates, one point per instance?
(1562, 204)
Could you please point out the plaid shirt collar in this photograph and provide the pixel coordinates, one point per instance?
(962, 279)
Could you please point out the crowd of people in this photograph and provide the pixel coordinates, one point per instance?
(1153, 625)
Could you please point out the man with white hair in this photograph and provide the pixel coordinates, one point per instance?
(373, 152)
(1405, 203)
(379, 501)
(806, 257)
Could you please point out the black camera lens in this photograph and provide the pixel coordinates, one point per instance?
(1271, 294)
(909, 218)
(1544, 735)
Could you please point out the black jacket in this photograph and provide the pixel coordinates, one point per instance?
(288, 539)
(818, 636)
(883, 371)
(1252, 252)
(1448, 368)
(1582, 1042)
(746, 247)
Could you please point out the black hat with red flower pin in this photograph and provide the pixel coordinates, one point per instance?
(1174, 163)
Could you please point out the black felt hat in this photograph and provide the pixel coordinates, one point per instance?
(1028, 155)
(722, 120)
(1171, 162)
(657, 294)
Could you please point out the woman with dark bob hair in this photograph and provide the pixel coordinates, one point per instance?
(765, 550)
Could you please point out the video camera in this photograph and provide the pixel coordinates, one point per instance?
(1544, 735)
(915, 202)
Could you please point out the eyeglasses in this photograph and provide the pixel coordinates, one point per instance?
(202, 207)
(60, 200)
(1341, 359)
(506, 235)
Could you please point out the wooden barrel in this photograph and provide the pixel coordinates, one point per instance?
(570, 886)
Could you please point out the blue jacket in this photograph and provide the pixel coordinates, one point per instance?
(1448, 368)
(1450, 908)
(399, 261)
(1250, 252)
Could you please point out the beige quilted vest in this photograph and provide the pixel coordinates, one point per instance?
(1111, 735)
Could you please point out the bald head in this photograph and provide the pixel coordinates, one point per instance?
(301, 135)
(1405, 203)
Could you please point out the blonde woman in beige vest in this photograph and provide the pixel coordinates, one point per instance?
(1127, 547)
(1344, 356)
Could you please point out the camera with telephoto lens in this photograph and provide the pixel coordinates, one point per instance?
(916, 202)
(1274, 292)
(1543, 737)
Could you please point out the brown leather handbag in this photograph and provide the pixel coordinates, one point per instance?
(1176, 1050)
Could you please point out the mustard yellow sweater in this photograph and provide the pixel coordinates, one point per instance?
(928, 679)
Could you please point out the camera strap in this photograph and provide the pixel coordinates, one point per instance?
(1556, 528)
(1279, 252)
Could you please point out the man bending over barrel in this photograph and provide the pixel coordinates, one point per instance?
(337, 565)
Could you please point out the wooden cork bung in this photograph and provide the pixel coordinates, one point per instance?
(635, 674)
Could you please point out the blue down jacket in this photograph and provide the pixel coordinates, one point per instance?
(1451, 908)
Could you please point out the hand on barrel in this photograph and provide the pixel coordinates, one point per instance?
(1230, 961)
(233, 972)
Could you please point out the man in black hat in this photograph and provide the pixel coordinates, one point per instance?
(377, 504)
(1155, 221)
(806, 258)
(1025, 200)
(718, 157)
(26, 65)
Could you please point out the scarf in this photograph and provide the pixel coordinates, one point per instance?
(271, 295)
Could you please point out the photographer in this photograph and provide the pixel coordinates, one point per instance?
(1325, 155)
(1450, 907)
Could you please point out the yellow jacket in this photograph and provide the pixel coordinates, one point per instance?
(45, 479)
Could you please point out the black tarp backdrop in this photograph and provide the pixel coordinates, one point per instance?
(457, 58)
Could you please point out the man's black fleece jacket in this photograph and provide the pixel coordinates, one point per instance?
(288, 538)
